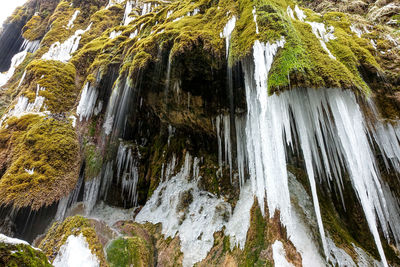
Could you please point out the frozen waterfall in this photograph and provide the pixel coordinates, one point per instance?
(333, 136)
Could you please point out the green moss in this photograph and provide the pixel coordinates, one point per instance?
(58, 31)
(57, 78)
(129, 251)
(35, 28)
(256, 239)
(303, 62)
(59, 232)
(93, 160)
(245, 33)
(50, 148)
(21, 255)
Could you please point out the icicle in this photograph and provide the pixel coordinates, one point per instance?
(241, 153)
(227, 33)
(69, 200)
(87, 102)
(23, 106)
(264, 134)
(332, 133)
(70, 24)
(218, 126)
(255, 19)
(128, 10)
(30, 46)
(227, 143)
(299, 13)
(119, 104)
(113, 2)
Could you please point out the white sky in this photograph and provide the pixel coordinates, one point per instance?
(8, 7)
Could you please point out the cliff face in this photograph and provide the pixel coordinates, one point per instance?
(207, 133)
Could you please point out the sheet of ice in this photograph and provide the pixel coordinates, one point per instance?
(184, 209)
(239, 223)
(12, 241)
(63, 52)
(76, 252)
(338, 257)
(303, 229)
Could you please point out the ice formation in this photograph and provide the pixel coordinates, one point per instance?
(75, 252)
(87, 102)
(26, 47)
(227, 33)
(63, 52)
(185, 210)
(12, 241)
(72, 20)
(279, 255)
(128, 10)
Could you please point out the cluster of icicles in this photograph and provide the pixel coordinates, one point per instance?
(334, 138)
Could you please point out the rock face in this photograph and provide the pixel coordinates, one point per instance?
(207, 133)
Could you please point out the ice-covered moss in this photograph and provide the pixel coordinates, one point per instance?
(96, 42)
(14, 255)
(304, 62)
(45, 161)
(59, 232)
(58, 81)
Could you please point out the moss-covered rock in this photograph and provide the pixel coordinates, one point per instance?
(45, 161)
(130, 251)
(58, 81)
